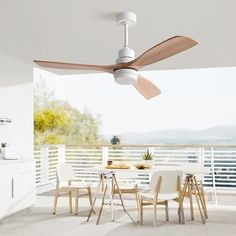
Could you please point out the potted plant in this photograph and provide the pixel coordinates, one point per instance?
(148, 158)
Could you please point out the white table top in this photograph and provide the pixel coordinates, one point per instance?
(188, 168)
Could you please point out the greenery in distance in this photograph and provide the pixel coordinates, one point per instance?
(57, 122)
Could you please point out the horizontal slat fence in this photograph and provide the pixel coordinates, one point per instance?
(221, 160)
(82, 159)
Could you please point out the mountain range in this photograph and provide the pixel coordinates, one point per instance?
(225, 134)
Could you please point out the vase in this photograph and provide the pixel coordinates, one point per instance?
(148, 163)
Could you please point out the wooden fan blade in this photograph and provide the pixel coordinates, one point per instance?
(163, 50)
(72, 66)
(146, 87)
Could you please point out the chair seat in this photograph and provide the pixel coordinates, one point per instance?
(161, 197)
(80, 185)
(75, 186)
(128, 186)
(132, 188)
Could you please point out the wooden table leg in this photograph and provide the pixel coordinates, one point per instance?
(102, 179)
(204, 199)
(103, 202)
(76, 201)
(113, 180)
(95, 197)
(121, 199)
(198, 203)
(190, 188)
(200, 196)
(70, 201)
(180, 211)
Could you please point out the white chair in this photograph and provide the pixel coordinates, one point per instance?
(165, 185)
(66, 186)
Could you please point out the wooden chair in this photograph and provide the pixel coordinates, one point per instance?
(165, 185)
(66, 186)
(200, 180)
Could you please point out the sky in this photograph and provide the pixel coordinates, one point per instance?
(191, 99)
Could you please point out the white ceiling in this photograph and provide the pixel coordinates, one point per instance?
(85, 31)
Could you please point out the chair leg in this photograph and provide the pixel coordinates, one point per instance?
(181, 201)
(141, 211)
(103, 198)
(167, 210)
(55, 202)
(90, 196)
(70, 201)
(138, 207)
(190, 188)
(137, 201)
(76, 201)
(90, 199)
(181, 214)
(155, 214)
(183, 218)
(102, 178)
(197, 195)
(204, 200)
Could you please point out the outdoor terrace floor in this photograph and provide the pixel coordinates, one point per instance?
(39, 221)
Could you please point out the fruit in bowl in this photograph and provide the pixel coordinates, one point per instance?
(140, 166)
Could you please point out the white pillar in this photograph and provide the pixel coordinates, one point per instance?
(201, 155)
(61, 153)
(104, 155)
(213, 174)
(44, 164)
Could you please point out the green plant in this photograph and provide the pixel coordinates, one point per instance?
(148, 155)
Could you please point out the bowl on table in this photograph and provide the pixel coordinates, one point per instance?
(140, 166)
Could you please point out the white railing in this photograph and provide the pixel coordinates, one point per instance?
(221, 160)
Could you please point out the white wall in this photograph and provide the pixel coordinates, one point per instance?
(16, 102)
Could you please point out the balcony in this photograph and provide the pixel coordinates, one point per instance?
(220, 183)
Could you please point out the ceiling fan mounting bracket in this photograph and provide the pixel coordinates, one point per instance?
(126, 17)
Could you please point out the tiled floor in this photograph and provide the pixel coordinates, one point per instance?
(39, 220)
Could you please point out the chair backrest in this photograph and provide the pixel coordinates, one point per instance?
(192, 167)
(170, 181)
(126, 174)
(126, 178)
(65, 172)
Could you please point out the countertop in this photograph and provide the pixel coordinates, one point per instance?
(5, 162)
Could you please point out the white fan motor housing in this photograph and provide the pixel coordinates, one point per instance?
(126, 76)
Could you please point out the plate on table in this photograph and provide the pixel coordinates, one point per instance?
(117, 166)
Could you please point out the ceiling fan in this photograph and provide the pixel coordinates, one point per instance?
(126, 69)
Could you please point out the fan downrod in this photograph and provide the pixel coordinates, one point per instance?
(126, 76)
(126, 19)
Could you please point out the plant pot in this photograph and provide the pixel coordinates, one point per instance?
(148, 163)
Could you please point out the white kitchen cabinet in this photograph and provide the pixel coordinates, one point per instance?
(5, 189)
(17, 186)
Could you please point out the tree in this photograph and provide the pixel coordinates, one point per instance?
(48, 125)
(56, 121)
(115, 140)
